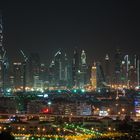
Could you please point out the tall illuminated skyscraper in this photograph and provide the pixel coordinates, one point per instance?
(83, 58)
(83, 69)
(107, 69)
(34, 67)
(65, 71)
(137, 67)
(123, 73)
(118, 59)
(75, 67)
(100, 76)
(17, 74)
(94, 77)
(58, 67)
(127, 63)
(51, 73)
(3, 59)
(65, 68)
(1, 53)
(132, 81)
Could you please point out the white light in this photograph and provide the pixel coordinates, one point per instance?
(40, 95)
(45, 95)
(103, 113)
(99, 90)
(8, 90)
(49, 103)
(138, 111)
(137, 87)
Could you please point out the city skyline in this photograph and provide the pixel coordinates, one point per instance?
(70, 71)
(46, 27)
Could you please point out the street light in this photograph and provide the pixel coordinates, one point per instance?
(123, 110)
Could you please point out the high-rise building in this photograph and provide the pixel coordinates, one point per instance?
(43, 72)
(83, 70)
(3, 60)
(118, 59)
(34, 67)
(132, 77)
(17, 75)
(138, 73)
(65, 68)
(1, 32)
(107, 69)
(58, 68)
(75, 67)
(100, 76)
(137, 68)
(94, 77)
(51, 74)
(67, 72)
(127, 63)
(1, 55)
(123, 73)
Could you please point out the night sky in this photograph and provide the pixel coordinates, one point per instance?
(98, 27)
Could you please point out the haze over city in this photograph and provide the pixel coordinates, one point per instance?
(92, 26)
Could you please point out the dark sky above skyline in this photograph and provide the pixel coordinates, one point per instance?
(98, 27)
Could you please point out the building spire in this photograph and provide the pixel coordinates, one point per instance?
(107, 57)
(83, 57)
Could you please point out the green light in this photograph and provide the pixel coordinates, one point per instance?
(82, 90)
(59, 91)
(75, 90)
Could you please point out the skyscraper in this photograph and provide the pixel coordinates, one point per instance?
(1, 32)
(51, 74)
(138, 72)
(123, 73)
(100, 76)
(3, 59)
(137, 67)
(58, 68)
(17, 74)
(43, 72)
(118, 59)
(75, 67)
(107, 69)
(34, 67)
(132, 77)
(127, 63)
(1, 55)
(83, 69)
(67, 72)
(65, 67)
(94, 77)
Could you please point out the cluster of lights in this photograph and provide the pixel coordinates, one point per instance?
(2, 128)
(82, 130)
(68, 137)
(79, 133)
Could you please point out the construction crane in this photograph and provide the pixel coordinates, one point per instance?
(57, 53)
(25, 58)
